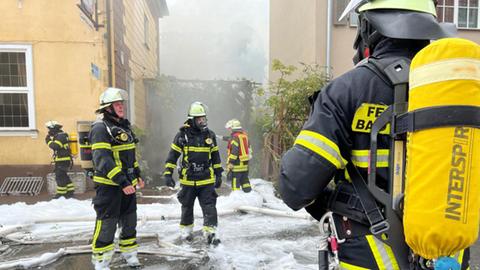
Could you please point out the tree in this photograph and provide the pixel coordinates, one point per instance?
(285, 110)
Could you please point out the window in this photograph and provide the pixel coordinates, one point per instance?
(464, 13)
(353, 19)
(16, 88)
(339, 6)
(145, 29)
(89, 9)
(88, 6)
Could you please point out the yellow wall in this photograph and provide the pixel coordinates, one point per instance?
(63, 48)
(293, 32)
(143, 61)
(298, 34)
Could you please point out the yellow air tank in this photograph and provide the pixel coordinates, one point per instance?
(73, 144)
(442, 192)
(83, 128)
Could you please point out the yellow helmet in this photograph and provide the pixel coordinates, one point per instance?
(197, 109)
(426, 6)
(111, 95)
(53, 124)
(233, 124)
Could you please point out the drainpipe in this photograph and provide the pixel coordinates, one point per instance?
(329, 39)
(109, 44)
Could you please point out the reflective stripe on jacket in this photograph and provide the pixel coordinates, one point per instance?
(200, 161)
(114, 160)
(237, 151)
(59, 144)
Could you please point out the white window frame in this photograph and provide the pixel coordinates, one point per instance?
(29, 90)
(455, 16)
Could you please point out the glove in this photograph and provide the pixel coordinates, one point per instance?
(218, 181)
(169, 182)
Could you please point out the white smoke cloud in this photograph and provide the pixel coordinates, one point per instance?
(215, 39)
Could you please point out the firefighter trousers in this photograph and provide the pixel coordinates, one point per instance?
(208, 201)
(240, 181)
(64, 184)
(114, 208)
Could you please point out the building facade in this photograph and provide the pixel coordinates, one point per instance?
(309, 31)
(57, 56)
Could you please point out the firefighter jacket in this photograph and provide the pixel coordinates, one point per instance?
(338, 131)
(200, 157)
(113, 152)
(238, 151)
(59, 144)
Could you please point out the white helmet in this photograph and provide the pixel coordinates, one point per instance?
(53, 124)
(233, 124)
(111, 95)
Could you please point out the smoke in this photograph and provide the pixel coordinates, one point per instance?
(214, 49)
(215, 39)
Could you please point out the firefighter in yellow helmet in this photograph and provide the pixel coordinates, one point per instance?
(58, 140)
(237, 156)
(336, 137)
(116, 177)
(200, 172)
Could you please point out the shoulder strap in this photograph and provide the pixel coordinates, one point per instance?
(394, 72)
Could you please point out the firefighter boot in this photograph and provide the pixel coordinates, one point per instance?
(187, 233)
(131, 259)
(102, 261)
(69, 195)
(210, 236)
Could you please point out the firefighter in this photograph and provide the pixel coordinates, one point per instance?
(338, 129)
(200, 172)
(57, 140)
(237, 156)
(116, 177)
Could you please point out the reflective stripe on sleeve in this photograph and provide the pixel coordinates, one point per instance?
(103, 180)
(101, 145)
(113, 172)
(322, 146)
(176, 148)
(170, 165)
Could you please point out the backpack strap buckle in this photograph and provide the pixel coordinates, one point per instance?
(379, 227)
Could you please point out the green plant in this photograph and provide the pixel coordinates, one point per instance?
(285, 110)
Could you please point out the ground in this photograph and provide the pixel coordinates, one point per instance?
(279, 243)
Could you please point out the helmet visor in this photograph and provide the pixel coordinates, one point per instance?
(402, 24)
